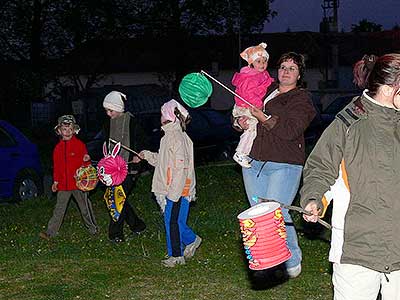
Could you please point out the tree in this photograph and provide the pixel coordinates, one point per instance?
(181, 19)
(366, 26)
(37, 31)
(207, 16)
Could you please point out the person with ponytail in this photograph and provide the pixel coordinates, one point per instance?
(356, 162)
(174, 182)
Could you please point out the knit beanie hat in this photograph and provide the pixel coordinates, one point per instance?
(250, 54)
(115, 101)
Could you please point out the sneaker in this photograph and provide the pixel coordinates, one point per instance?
(133, 235)
(242, 160)
(191, 248)
(172, 261)
(95, 232)
(139, 228)
(117, 240)
(294, 271)
(45, 236)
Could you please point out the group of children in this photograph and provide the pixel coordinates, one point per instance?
(173, 181)
(174, 178)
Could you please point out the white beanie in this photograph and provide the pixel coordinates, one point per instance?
(115, 101)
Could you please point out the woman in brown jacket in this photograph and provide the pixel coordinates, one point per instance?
(278, 152)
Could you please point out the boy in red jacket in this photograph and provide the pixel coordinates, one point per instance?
(69, 154)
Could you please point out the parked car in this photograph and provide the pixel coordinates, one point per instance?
(324, 117)
(212, 134)
(314, 130)
(210, 130)
(329, 113)
(21, 174)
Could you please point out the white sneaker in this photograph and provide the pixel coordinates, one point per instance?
(242, 160)
(294, 271)
(191, 248)
(172, 261)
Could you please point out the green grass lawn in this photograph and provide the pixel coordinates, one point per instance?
(76, 265)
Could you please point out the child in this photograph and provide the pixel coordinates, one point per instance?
(174, 182)
(251, 84)
(68, 155)
(121, 128)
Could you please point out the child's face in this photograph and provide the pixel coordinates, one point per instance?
(112, 113)
(66, 131)
(260, 64)
(164, 121)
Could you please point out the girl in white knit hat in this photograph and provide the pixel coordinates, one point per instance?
(121, 128)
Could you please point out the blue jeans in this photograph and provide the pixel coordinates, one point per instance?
(178, 233)
(280, 182)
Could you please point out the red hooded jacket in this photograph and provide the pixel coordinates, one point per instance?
(67, 158)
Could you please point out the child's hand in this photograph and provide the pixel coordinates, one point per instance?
(136, 159)
(86, 157)
(243, 122)
(54, 186)
(141, 154)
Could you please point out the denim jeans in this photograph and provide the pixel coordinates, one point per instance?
(280, 182)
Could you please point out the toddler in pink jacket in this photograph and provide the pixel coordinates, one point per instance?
(251, 84)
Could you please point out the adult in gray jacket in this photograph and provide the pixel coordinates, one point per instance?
(357, 162)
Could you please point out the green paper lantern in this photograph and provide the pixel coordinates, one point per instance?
(195, 89)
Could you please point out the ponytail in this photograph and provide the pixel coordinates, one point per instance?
(362, 69)
(182, 119)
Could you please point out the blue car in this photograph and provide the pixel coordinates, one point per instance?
(21, 172)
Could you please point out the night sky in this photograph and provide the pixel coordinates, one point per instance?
(305, 15)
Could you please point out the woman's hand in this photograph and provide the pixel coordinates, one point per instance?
(242, 121)
(258, 113)
(312, 207)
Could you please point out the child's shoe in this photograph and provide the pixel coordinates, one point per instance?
(117, 240)
(139, 227)
(191, 248)
(44, 236)
(242, 160)
(172, 261)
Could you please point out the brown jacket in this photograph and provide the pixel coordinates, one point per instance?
(281, 138)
